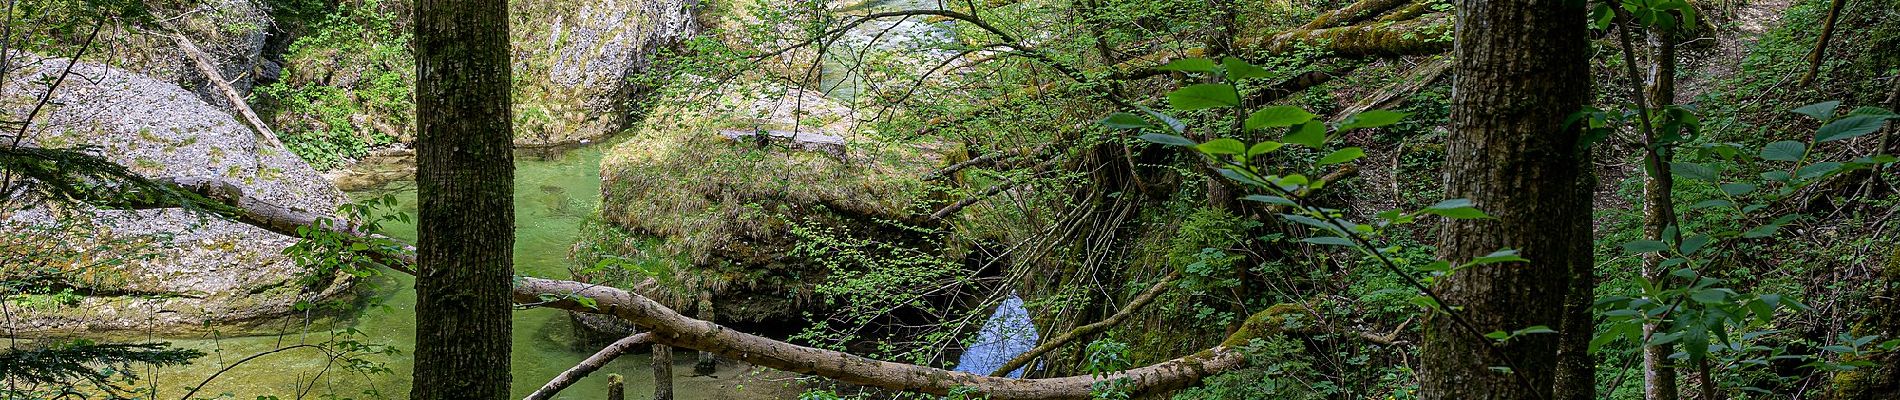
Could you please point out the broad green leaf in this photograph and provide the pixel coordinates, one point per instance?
(1122, 120)
(1498, 335)
(1223, 146)
(1238, 69)
(1644, 246)
(1371, 119)
(1786, 150)
(1873, 111)
(1820, 111)
(1533, 329)
(1849, 128)
(1310, 134)
(1263, 148)
(1694, 171)
(1275, 200)
(1710, 203)
(1817, 170)
(1170, 140)
(1737, 189)
(1694, 242)
(1278, 116)
(1190, 65)
(1761, 231)
(1294, 181)
(1500, 256)
(1456, 209)
(1777, 176)
(1237, 176)
(1173, 123)
(1330, 240)
(1204, 96)
(1708, 296)
(1343, 155)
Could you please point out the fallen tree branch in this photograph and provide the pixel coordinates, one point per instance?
(1140, 301)
(1357, 12)
(210, 71)
(587, 366)
(671, 328)
(1415, 79)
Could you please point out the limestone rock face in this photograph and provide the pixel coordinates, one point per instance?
(163, 269)
(582, 59)
(230, 32)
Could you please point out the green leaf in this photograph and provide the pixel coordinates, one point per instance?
(1711, 203)
(1644, 246)
(1694, 171)
(1204, 96)
(1456, 209)
(1737, 189)
(1173, 123)
(1692, 243)
(1500, 256)
(1762, 231)
(1817, 170)
(1343, 155)
(1534, 329)
(1498, 335)
(1786, 150)
(1873, 111)
(1330, 240)
(1371, 119)
(1820, 111)
(1122, 120)
(1223, 146)
(1190, 65)
(1708, 296)
(1310, 134)
(1263, 148)
(1278, 116)
(1275, 200)
(1238, 69)
(1170, 140)
(1849, 128)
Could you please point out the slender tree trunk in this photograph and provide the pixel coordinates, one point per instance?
(1659, 377)
(708, 362)
(1521, 70)
(662, 372)
(616, 387)
(1820, 45)
(465, 184)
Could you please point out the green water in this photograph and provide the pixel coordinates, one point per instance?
(553, 193)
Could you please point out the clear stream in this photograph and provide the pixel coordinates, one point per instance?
(553, 195)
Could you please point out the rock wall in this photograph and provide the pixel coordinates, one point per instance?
(583, 60)
(176, 271)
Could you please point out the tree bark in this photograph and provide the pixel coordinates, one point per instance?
(1820, 45)
(1659, 211)
(465, 185)
(616, 387)
(1521, 69)
(662, 372)
(708, 362)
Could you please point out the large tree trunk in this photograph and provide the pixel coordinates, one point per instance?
(465, 183)
(1521, 69)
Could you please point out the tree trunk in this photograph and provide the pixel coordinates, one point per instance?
(465, 185)
(1659, 377)
(708, 362)
(1521, 70)
(662, 372)
(616, 387)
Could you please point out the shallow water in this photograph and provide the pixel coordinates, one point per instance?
(1009, 332)
(552, 196)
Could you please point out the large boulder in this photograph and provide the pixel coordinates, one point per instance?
(165, 270)
(584, 61)
(230, 33)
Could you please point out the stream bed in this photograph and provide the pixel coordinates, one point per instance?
(554, 193)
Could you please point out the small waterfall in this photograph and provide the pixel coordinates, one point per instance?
(1007, 333)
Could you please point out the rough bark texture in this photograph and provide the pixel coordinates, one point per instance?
(708, 363)
(465, 184)
(616, 387)
(591, 364)
(1521, 69)
(662, 372)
